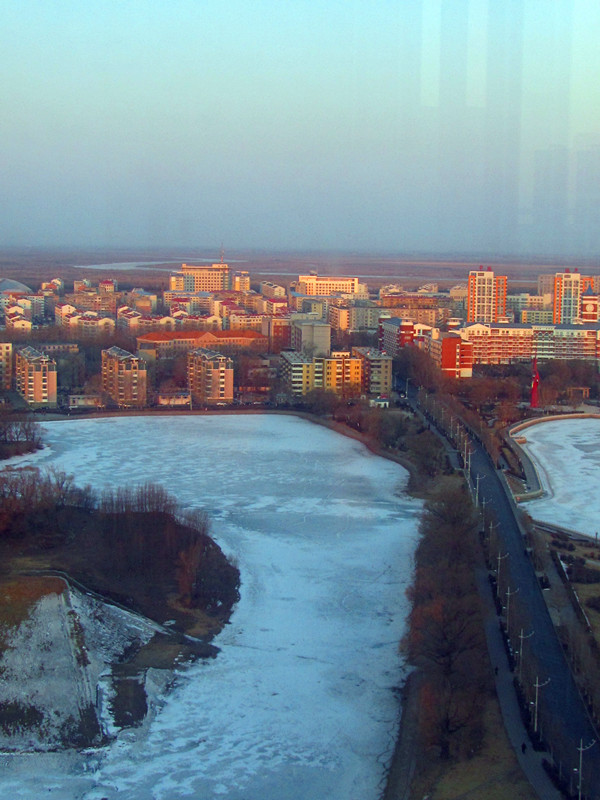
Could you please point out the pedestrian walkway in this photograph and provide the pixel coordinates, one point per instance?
(529, 759)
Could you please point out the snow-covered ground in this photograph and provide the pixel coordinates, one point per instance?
(300, 701)
(566, 453)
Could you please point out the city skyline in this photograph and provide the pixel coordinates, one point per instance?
(430, 125)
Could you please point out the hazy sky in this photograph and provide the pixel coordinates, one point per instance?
(430, 125)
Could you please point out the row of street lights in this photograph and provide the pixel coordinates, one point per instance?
(460, 440)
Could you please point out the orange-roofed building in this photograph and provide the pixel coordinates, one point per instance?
(169, 344)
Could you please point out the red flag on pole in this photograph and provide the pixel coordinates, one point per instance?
(535, 382)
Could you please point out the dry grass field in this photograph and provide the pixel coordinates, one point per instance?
(493, 774)
(18, 595)
(36, 264)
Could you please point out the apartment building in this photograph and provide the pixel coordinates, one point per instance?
(136, 323)
(240, 281)
(6, 371)
(537, 316)
(210, 377)
(571, 291)
(35, 377)
(316, 286)
(94, 301)
(567, 297)
(270, 289)
(424, 316)
(503, 343)
(16, 320)
(364, 316)
(195, 302)
(242, 320)
(84, 325)
(486, 296)
(202, 278)
(311, 336)
(33, 306)
(297, 372)
(396, 333)
(518, 303)
(452, 354)
(341, 373)
(272, 305)
(339, 317)
(55, 286)
(278, 330)
(124, 378)
(376, 371)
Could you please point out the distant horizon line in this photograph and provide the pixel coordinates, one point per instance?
(407, 255)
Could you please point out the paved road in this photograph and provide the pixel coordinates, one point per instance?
(561, 711)
(560, 699)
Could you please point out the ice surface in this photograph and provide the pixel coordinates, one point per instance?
(299, 703)
(566, 453)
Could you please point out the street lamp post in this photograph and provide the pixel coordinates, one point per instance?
(509, 594)
(467, 458)
(538, 686)
(477, 479)
(521, 640)
(582, 749)
(500, 560)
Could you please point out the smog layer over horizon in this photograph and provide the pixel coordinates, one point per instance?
(415, 125)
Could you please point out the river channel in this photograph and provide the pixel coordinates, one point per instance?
(302, 699)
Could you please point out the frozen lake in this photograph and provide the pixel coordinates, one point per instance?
(300, 702)
(566, 453)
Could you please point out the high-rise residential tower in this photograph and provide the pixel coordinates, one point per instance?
(486, 296)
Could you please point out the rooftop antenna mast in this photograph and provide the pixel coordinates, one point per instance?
(222, 253)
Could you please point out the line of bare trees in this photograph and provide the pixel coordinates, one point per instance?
(30, 498)
(445, 637)
(149, 535)
(18, 435)
(135, 532)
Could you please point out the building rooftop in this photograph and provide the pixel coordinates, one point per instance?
(8, 285)
(118, 352)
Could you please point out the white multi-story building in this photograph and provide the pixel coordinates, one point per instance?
(486, 296)
(568, 287)
(269, 289)
(311, 336)
(207, 278)
(316, 286)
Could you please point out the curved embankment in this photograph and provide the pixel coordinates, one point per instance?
(517, 442)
